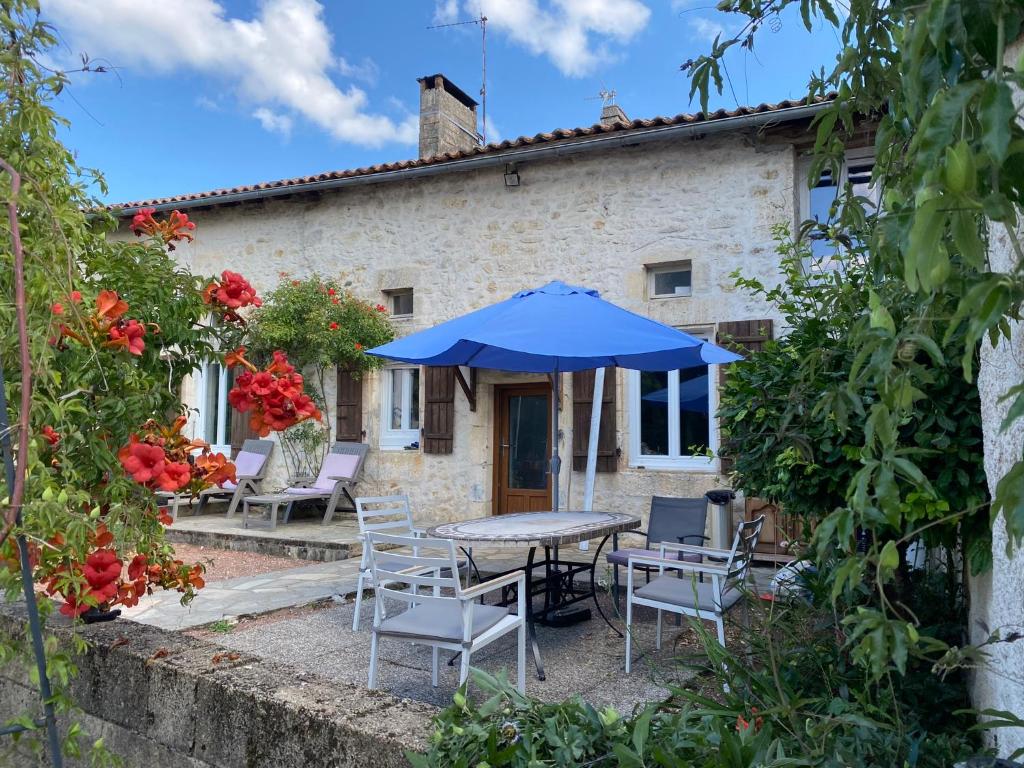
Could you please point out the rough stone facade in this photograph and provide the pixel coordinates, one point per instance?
(997, 597)
(463, 241)
(447, 117)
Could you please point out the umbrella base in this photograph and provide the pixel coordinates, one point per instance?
(565, 617)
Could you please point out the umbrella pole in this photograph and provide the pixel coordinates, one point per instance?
(595, 428)
(556, 462)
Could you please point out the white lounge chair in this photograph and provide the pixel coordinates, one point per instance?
(446, 617)
(338, 475)
(710, 599)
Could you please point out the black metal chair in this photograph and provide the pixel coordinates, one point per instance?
(673, 520)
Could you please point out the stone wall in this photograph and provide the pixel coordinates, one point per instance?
(997, 597)
(463, 241)
(164, 699)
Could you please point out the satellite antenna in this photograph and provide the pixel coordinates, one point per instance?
(482, 21)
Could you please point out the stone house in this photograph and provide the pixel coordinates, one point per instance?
(655, 214)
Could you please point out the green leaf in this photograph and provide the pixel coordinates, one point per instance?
(888, 560)
(997, 115)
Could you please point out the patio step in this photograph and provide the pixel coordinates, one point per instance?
(277, 544)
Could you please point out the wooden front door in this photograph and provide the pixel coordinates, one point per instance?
(522, 448)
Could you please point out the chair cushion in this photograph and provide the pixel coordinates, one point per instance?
(313, 491)
(442, 621)
(621, 556)
(681, 592)
(248, 464)
(335, 465)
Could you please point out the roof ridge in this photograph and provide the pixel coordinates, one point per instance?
(556, 135)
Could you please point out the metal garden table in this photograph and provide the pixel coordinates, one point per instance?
(549, 530)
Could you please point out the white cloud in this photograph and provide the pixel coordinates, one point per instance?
(447, 11)
(706, 29)
(367, 70)
(273, 122)
(281, 59)
(574, 34)
(207, 103)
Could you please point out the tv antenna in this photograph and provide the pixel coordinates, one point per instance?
(482, 21)
(607, 97)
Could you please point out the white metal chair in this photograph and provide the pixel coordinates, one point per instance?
(710, 599)
(448, 616)
(389, 514)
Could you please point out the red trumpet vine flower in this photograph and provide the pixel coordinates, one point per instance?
(174, 228)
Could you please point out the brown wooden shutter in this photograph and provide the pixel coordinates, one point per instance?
(439, 409)
(240, 431)
(742, 337)
(582, 405)
(350, 407)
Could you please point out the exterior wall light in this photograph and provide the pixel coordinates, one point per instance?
(511, 175)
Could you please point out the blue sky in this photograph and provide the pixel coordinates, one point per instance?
(217, 93)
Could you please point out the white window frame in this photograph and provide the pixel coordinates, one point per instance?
(685, 265)
(204, 377)
(397, 439)
(390, 295)
(676, 459)
(852, 156)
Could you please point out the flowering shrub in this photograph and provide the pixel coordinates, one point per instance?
(320, 325)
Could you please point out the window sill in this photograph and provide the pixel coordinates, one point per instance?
(660, 297)
(402, 447)
(705, 466)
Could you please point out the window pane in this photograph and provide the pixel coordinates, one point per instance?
(414, 414)
(401, 303)
(528, 441)
(694, 434)
(212, 386)
(674, 283)
(396, 398)
(654, 413)
(822, 197)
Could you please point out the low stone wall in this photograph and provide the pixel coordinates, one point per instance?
(162, 699)
(299, 549)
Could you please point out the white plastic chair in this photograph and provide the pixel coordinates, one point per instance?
(449, 616)
(710, 599)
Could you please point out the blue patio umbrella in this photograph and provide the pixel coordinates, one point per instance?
(555, 329)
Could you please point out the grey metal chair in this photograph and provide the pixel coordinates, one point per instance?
(708, 600)
(674, 520)
(447, 615)
(339, 474)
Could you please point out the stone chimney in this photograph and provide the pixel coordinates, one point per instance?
(447, 117)
(612, 115)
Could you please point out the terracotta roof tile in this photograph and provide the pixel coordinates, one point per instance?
(557, 135)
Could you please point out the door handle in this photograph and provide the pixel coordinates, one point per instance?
(506, 445)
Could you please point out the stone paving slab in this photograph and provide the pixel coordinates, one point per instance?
(248, 595)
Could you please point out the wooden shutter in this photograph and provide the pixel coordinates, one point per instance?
(582, 405)
(240, 431)
(350, 407)
(742, 337)
(439, 409)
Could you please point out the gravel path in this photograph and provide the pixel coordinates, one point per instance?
(225, 564)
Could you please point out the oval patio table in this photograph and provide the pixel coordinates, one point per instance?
(549, 530)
